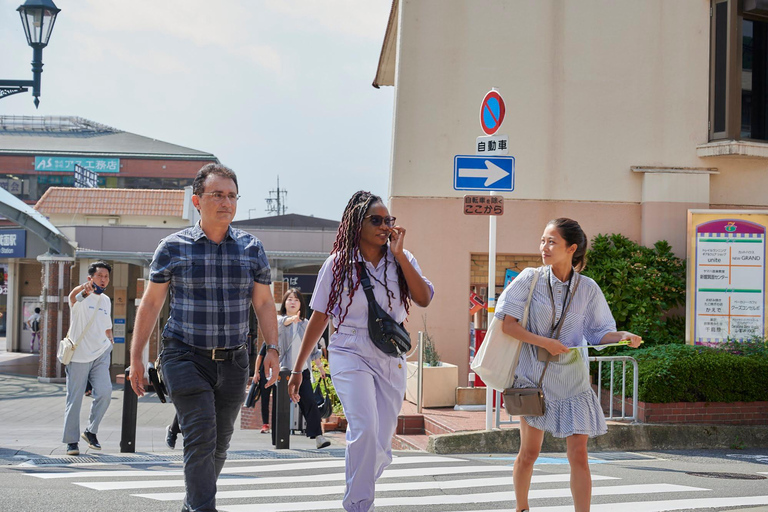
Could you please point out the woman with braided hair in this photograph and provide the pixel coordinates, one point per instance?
(370, 383)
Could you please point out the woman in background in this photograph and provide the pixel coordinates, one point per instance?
(291, 324)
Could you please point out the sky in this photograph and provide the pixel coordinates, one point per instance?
(271, 87)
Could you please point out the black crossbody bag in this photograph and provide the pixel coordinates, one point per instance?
(389, 336)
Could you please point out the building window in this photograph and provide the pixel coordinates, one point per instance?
(739, 70)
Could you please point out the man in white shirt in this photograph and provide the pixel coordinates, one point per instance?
(91, 330)
(34, 325)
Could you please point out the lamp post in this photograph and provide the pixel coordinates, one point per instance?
(38, 18)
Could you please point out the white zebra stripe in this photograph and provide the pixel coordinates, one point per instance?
(331, 477)
(294, 491)
(457, 499)
(267, 468)
(664, 506)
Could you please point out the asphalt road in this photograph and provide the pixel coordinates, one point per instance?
(310, 480)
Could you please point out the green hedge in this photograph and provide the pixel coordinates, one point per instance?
(686, 373)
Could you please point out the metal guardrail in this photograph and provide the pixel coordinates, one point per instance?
(635, 379)
(610, 416)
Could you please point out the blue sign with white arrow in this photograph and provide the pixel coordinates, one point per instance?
(484, 173)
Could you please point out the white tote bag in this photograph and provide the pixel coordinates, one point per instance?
(496, 361)
(67, 347)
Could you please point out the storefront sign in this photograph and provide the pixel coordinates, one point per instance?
(67, 164)
(476, 303)
(509, 276)
(118, 330)
(14, 186)
(726, 276)
(13, 243)
(304, 282)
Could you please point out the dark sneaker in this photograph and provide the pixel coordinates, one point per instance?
(170, 438)
(73, 449)
(91, 440)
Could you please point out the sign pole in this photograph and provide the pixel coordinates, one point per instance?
(491, 307)
(487, 172)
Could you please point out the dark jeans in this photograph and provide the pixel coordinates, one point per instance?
(266, 395)
(207, 395)
(308, 408)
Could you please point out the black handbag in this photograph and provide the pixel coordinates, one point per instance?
(253, 394)
(389, 336)
(156, 379)
(323, 399)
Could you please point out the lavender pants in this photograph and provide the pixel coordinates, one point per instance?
(370, 385)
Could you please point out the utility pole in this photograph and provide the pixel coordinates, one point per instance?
(276, 200)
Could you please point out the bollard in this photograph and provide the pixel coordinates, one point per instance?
(130, 405)
(282, 426)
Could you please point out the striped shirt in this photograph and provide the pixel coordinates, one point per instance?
(572, 407)
(211, 285)
(588, 317)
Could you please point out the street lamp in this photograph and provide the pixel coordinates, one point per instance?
(38, 18)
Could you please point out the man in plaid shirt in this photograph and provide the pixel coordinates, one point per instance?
(215, 273)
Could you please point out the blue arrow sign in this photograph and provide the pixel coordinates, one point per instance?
(484, 173)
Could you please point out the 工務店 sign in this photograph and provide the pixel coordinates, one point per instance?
(67, 163)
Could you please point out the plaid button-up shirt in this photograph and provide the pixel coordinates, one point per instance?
(211, 285)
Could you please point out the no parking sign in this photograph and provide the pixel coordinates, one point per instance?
(492, 112)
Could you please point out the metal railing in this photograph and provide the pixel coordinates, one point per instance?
(612, 359)
(610, 416)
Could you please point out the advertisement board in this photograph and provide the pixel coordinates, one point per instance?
(726, 275)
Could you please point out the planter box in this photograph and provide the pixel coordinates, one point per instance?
(439, 384)
(334, 423)
(470, 396)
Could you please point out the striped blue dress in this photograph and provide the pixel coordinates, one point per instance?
(571, 404)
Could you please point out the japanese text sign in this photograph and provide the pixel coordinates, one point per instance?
(483, 205)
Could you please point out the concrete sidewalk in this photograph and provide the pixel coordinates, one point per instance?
(32, 418)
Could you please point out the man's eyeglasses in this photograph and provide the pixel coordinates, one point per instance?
(376, 220)
(220, 196)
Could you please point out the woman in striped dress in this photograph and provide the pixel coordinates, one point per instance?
(572, 409)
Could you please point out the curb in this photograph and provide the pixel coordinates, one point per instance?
(637, 437)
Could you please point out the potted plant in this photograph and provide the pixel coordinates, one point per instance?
(439, 380)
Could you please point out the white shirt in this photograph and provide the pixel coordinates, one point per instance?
(357, 314)
(95, 341)
(32, 318)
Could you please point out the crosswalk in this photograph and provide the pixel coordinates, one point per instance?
(420, 482)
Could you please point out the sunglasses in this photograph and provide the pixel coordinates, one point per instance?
(376, 220)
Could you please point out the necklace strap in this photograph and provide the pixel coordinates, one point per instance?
(560, 323)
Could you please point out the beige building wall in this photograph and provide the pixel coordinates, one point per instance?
(607, 110)
(592, 88)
